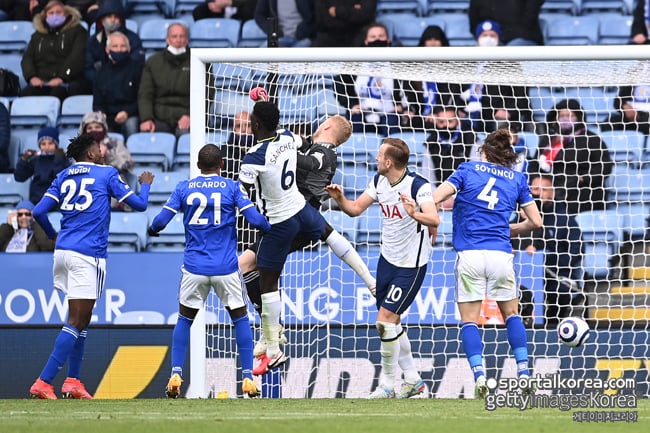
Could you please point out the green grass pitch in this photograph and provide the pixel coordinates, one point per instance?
(292, 415)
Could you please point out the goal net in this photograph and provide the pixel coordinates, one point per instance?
(589, 261)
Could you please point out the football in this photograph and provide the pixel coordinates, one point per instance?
(573, 331)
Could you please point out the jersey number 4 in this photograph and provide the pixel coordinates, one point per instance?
(488, 194)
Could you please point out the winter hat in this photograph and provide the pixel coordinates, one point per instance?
(25, 204)
(487, 25)
(93, 117)
(49, 132)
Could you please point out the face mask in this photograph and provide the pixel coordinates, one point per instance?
(176, 51)
(97, 135)
(111, 26)
(488, 41)
(378, 43)
(118, 56)
(566, 124)
(55, 21)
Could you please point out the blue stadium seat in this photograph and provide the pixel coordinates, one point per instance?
(215, 33)
(127, 231)
(399, 6)
(186, 6)
(415, 142)
(634, 219)
(12, 61)
(625, 147)
(342, 223)
(295, 108)
(446, 6)
(564, 6)
(614, 29)
(12, 192)
(252, 35)
(15, 35)
(152, 149)
(35, 111)
(588, 7)
(602, 238)
(361, 148)
(163, 7)
(164, 185)
(217, 136)
(355, 179)
(73, 110)
(531, 140)
(628, 185)
(369, 228)
(595, 101)
(457, 29)
(409, 30)
(572, 31)
(172, 238)
(182, 154)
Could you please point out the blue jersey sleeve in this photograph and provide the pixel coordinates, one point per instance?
(40, 215)
(525, 196)
(175, 201)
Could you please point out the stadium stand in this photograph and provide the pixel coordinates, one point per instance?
(215, 33)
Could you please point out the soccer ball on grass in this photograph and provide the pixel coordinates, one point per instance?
(573, 331)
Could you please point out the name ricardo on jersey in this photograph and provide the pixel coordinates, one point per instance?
(503, 172)
(206, 184)
(281, 149)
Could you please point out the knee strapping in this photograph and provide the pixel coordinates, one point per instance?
(388, 331)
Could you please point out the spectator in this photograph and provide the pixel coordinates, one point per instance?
(53, 61)
(19, 10)
(239, 141)
(339, 23)
(164, 94)
(42, 166)
(295, 20)
(423, 96)
(373, 102)
(87, 8)
(115, 90)
(448, 145)
(242, 10)
(640, 22)
(577, 158)
(632, 107)
(519, 19)
(112, 149)
(111, 17)
(561, 240)
(488, 104)
(5, 139)
(21, 234)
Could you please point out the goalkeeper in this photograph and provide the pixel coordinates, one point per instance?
(317, 161)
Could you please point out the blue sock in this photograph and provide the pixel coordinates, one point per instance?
(180, 341)
(517, 340)
(473, 347)
(63, 345)
(77, 355)
(244, 339)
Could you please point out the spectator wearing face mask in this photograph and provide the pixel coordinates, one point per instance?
(41, 165)
(112, 149)
(21, 233)
(519, 19)
(53, 61)
(115, 91)
(111, 17)
(576, 158)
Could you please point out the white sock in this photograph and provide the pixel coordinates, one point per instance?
(346, 252)
(389, 353)
(405, 359)
(271, 309)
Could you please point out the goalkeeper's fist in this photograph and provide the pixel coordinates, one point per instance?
(152, 233)
(258, 94)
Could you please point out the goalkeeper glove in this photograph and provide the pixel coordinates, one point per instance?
(152, 233)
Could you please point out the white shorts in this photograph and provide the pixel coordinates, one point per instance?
(485, 274)
(79, 276)
(195, 289)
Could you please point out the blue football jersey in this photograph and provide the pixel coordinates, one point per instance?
(487, 194)
(209, 205)
(83, 192)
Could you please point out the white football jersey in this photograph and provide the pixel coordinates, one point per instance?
(270, 165)
(404, 241)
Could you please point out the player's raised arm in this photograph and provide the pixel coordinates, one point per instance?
(40, 211)
(350, 207)
(443, 192)
(139, 202)
(427, 215)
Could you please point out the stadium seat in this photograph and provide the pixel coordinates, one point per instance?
(614, 29)
(355, 179)
(252, 35)
(342, 223)
(12, 192)
(361, 148)
(595, 101)
(217, 136)
(143, 317)
(15, 35)
(186, 6)
(457, 29)
(399, 6)
(564, 6)
(182, 154)
(35, 111)
(225, 105)
(588, 7)
(164, 185)
(572, 31)
(73, 110)
(409, 30)
(446, 6)
(628, 185)
(445, 229)
(602, 237)
(163, 7)
(153, 33)
(152, 148)
(625, 147)
(12, 61)
(127, 231)
(531, 140)
(369, 226)
(215, 33)
(172, 238)
(415, 142)
(296, 108)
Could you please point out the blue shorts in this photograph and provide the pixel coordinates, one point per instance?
(275, 245)
(397, 287)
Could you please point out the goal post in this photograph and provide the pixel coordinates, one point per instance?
(328, 313)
